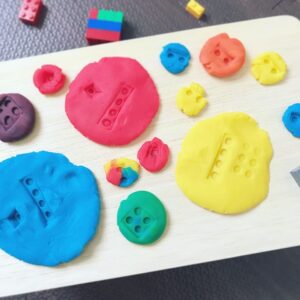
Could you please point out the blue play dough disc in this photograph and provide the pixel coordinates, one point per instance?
(175, 57)
(50, 208)
(291, 119)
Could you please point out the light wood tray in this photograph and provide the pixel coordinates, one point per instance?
(194, 235)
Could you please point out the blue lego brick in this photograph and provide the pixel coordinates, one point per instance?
(104, 25)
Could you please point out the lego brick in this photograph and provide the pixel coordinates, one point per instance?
(30, 10)
(96, 35)
(93, 13)
(105, 25)
(195, 9)
(110, 15)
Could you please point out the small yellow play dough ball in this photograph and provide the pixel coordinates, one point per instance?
(269, 68)
(223, 164)
(190, 100)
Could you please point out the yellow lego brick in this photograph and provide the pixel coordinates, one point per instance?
(195, 9)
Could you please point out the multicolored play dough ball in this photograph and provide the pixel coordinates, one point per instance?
(49, 79)
(222, 56)
(269, 68)
(142, 218)
(154, 155)
(291, 119)
(175, 58)
(223, 164)
(190, 100)
(122, 172)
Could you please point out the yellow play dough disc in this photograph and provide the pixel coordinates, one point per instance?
(224, 162)
(190, 100)
(269, 68)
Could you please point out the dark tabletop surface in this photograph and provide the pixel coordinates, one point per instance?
(274, 275)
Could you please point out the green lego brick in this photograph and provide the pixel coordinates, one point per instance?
(110, 15)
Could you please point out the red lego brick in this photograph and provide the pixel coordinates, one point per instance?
(30, 10)
(93, 13)
(96, 35)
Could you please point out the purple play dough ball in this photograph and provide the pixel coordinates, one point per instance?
(17, 117)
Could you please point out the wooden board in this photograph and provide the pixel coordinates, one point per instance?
(194, 235)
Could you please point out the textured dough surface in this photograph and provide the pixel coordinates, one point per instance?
(269, 68)
(190, 100)
(112, 101)
(224, 162)
(49, 208)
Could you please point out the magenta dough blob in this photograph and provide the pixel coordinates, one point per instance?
(17, 117)
(112, 101)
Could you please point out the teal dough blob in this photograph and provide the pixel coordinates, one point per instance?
(291, 119)
(129, 177)
(50, 208)
(142, 218)
(175, 58)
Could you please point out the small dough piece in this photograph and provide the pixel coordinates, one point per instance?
(269, 68)
(190, 100)
(142, 218)
(223, 164)
(291, 119)
(49, 79)
(122, 172)
(154, 155)
(17, 117)
(222, 56)
(175, 58)
(112, 101)
(49, 208)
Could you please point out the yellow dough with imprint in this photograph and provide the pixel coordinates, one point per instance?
(190, 100)
(223, 164)
(269, 68)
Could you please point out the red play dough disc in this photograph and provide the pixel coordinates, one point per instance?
(153, 155)
(222, 56)
(49, 79)
(112, 101)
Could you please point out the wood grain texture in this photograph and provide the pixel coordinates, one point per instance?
(194, 235)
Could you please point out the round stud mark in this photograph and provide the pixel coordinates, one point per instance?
(142, 218)
(291, 119)
(269, 68)
(175, 58)
(122, 172)
(153, 155)
(222, 56)
(49, 79)
(190, 100)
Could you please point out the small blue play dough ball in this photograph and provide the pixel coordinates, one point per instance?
(175, 57)
(50, 208)
(291, 119)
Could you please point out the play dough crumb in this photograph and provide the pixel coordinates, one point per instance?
(222, 56)
(291, 119)
(175, 58)
(269, 68)
(50, 208)
(142, 218)
(190, 100)
(122, 172)
(153, 155)
(223, 164)
(49, 79)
